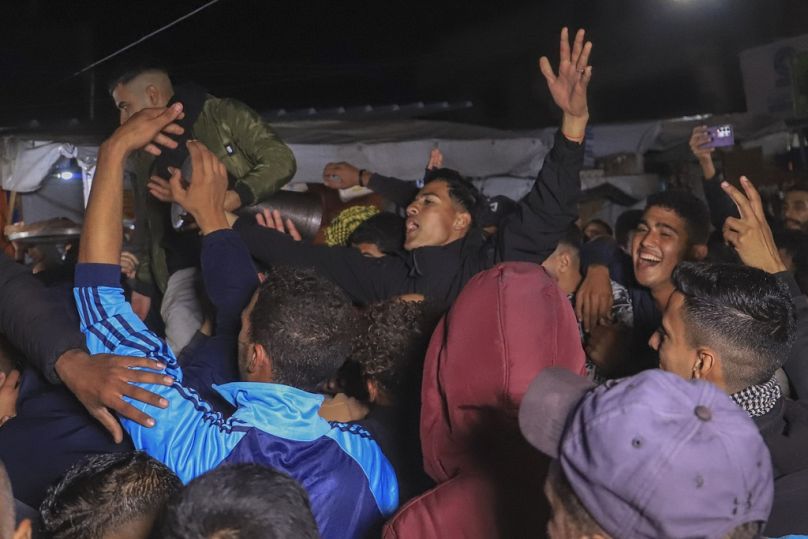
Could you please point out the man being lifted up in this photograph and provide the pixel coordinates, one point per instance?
(444, 246)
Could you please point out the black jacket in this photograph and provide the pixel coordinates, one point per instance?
(35, 321)
(529, 234)
(785, 431)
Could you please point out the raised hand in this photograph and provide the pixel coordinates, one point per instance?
(698, 139)
(568, 87)
(204, 198)
(340, 175)
(149, 129)
(750, 234)
(272, 219)
(435, 159)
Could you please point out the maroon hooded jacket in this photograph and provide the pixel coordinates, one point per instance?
(508, 324)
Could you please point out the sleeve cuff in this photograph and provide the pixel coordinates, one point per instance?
(245, 193)
(788, 279)
(225, 234)
(98, 275)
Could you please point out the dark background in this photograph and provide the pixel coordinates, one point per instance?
(652, 58)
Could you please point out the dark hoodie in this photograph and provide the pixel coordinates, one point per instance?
(508, 324)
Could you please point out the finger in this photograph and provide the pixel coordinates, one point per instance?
(579, 307)
(267, 214)
(732, 237)
(259, 218)
(152, 149)
(741, 202)
(594, 313)
(585, 313)
(564, 46)
(176, 190)
(137, 362)
(278, 221)
(583, 60)
(145, 396)
(124, 409)
(108, 421)
(174, 129)
(577, 46)
(736, 225)
(12, 379)
(165, 141)
(585, 78)
(293, 230)
(160, 181)
(2, 378)
(547, 70)
(754, 198)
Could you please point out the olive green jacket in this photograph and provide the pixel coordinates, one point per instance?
(251, 152)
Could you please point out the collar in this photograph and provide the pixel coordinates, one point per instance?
(280, 410)
(759, 399)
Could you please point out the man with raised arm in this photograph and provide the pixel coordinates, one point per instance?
(444, 245)
(295, 333)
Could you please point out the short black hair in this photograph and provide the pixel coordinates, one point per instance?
(392, 344)
(104, 492)
(248, 501)
(798, 186)
(744, 313)
(602, 223)
(572, 237)
(126, 74)
(690, 208)
(626, 223)
(306, 323)
(462, 191)
(385, 230)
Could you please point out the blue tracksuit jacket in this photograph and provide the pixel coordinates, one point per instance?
(351, 484)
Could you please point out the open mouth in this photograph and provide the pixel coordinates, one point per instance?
(648, 260)
(411, 226)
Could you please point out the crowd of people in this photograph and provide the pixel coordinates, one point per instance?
(455, 366)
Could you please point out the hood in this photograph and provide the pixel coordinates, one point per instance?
(507, 324)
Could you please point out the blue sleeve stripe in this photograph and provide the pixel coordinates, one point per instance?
(109, 346)
(83, 311)
(99, 306)
(148, 338)
(122, 339)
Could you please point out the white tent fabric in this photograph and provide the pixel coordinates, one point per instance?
(501, 162)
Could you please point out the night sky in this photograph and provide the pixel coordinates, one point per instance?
(652, 58)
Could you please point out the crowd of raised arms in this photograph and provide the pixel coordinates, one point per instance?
(443, 365)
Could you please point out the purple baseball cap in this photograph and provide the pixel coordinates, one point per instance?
(653, 455)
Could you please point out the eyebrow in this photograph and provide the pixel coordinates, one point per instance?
(658, 225)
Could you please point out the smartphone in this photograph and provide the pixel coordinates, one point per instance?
(721, 136)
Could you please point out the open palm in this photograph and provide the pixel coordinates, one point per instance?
(568, 87)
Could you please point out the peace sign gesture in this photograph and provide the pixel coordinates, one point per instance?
(751, 235)
(568, 88)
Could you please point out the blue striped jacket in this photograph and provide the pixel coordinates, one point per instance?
(351, 484)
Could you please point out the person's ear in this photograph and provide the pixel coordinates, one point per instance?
(153, 95)
(698, 252)
(564, 262)
(705, 364)
(373, 389)
(24, 530)
(462, 221)
(261, 361)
